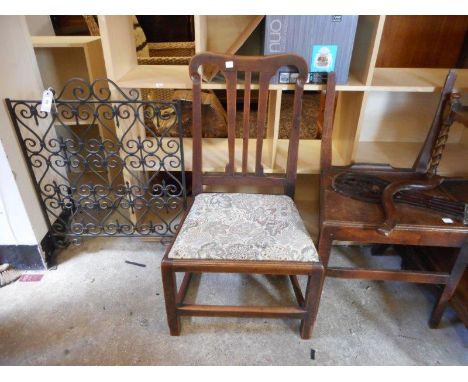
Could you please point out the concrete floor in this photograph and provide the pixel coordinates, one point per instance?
(97, 310)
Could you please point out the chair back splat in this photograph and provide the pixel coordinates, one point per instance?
(230, 67)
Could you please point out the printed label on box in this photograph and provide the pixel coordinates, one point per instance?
(284, 77)
(293, 77)
(323, 58)
(318, 78)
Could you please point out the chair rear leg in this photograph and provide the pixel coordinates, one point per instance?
(170, 298)
(449, 289)
(312, 302)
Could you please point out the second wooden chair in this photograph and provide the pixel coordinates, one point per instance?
(358, 205)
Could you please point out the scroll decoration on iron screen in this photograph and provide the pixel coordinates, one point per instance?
(104, 162)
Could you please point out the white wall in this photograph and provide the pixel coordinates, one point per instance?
(20, 79)
(12, 215)
(40, 25)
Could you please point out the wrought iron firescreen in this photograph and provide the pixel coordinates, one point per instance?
(104, 162)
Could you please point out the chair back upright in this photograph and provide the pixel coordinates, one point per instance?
(247, 67)
(326, 152)
(431, 152)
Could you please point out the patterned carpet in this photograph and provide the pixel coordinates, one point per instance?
(214, 126)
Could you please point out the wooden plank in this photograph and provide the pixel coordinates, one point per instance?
(297, 290)
(366, 46)
(403, 154)
(184, 287)
(240, 311)
(244, 35)
(308, 159)
(58, 65)
(273, 121)
(464, 138)
(243, 180)
(422, 41)
(388, 274)
(62, 41)
(263, 267)
(385, 79)
(415, 79)
(225, 34)
(215, 154)
(118, 45)
(353, 85)
(177, 77)
(346, 124)
(95, 59)
(200, 33)
(156, 76)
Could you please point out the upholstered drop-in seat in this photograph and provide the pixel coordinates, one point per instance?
(230, 226)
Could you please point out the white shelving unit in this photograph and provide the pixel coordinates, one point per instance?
(382, 114)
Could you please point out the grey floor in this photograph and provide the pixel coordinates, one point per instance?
(95, 309)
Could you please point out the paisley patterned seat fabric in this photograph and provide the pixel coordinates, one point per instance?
(222, 226)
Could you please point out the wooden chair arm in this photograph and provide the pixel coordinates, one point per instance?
(392, 189)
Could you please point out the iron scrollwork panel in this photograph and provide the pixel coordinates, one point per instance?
(104, 162)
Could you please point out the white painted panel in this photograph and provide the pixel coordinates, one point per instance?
(20, 79)
(15, 226)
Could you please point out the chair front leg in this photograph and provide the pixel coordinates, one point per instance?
(325, 246)
(449, 289)
(312, 302)
(170, 297)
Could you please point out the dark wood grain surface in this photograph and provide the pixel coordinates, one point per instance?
(422, 41)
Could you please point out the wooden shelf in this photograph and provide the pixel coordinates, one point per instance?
(62, 41)
(218, 33)
(403, 154)
(84, 123)
(215, 155)
(308, 158)
(414, 79)
(385, 79)
(63, 57)
(177, 77)
(352, 85)
(156, 76)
